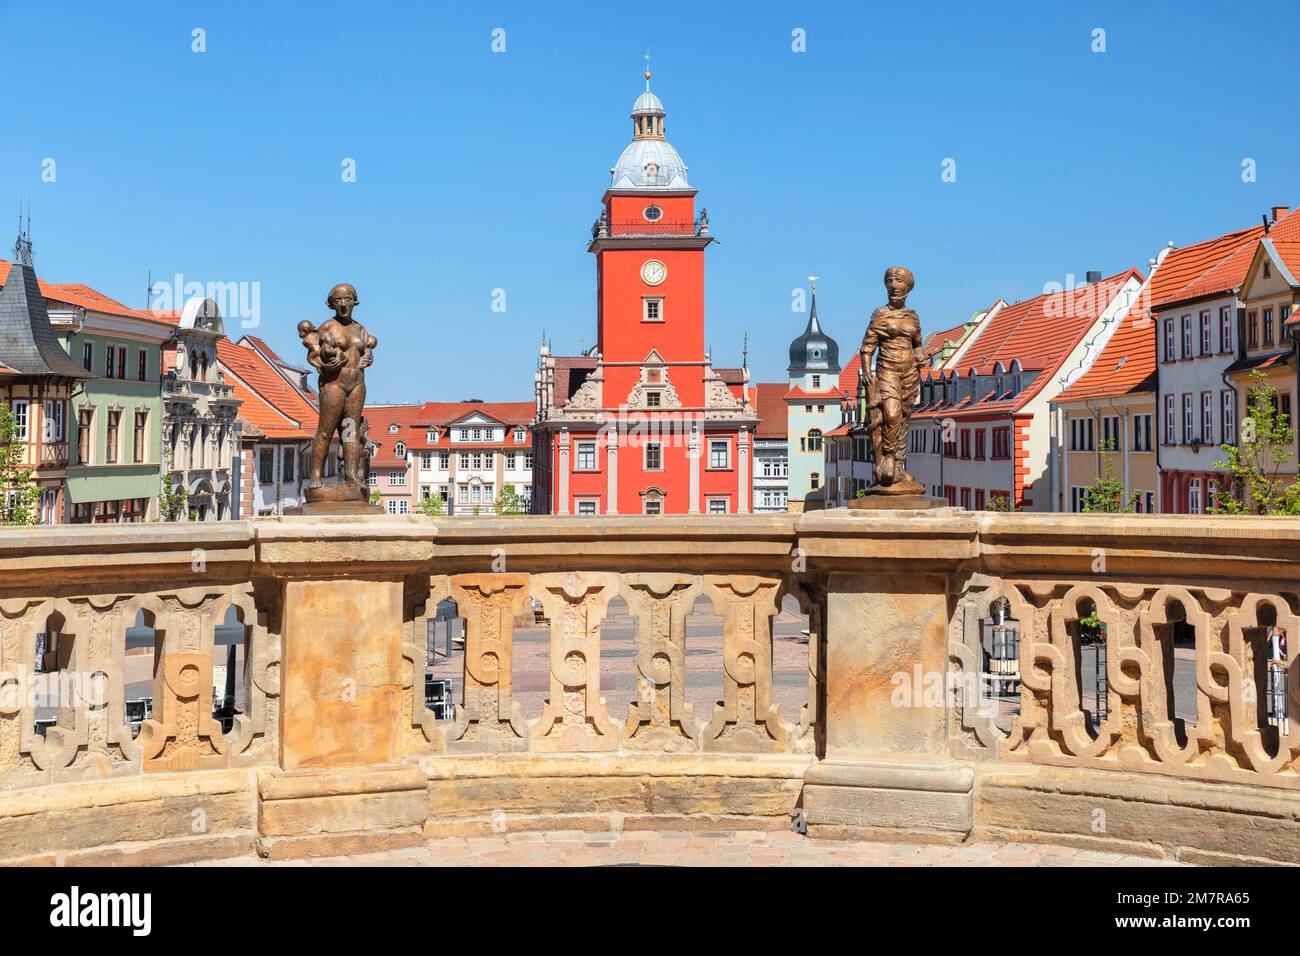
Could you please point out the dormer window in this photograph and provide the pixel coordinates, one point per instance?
(431, 435)
(400, 449)
(651, 171)
(520, 435)
(393, 429)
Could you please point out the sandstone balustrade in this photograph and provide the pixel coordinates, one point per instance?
(334, 750)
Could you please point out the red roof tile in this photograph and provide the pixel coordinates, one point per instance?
(771, 409)
(270, 402)
(1127, 364)
(1040, 332)
(79, 294)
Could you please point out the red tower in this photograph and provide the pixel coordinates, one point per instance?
(643, 423)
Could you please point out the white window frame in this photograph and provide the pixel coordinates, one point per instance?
(646, 302)
(23, 419)
(584, 451)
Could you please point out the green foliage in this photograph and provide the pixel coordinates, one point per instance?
(508, 502)
(1107, 495)
(376, 498)
(173, 502)
(18, 489)
(1002, 503)
(433, 506)
(1253, 485)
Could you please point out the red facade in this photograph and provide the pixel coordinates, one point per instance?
(644, 424)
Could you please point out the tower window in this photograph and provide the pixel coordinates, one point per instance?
(653, 400)
(652, 213)
(653, 309)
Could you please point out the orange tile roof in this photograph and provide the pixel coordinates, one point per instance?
(1211, 268)
(771, 410)
(414, 422)
(1128, 362)
(79, 294)
(270, 403)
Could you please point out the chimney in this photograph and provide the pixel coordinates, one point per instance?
(1279, 212)
(1094, 275)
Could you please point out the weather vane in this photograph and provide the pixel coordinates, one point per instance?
(813, 281)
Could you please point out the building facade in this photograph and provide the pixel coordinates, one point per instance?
(278, 413)
(200, 427)
(476, 456)
(981, 436)
(1194, 310)
(771, 449)
(37, 379)
(114, 474)
(812, 408)
(1269, 293)
(644, 424)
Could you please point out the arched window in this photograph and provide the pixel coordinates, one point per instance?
(400, 449)
(814, 439)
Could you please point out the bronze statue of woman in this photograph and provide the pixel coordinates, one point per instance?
(893, 339)
(340, 350)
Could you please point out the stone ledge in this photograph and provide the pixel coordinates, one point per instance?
(328, 812)
(888, 799)
(147, 820)
(1146, 814)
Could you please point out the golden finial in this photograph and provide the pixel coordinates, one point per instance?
(647, 69)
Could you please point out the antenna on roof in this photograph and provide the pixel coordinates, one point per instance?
(23, 244)
(148, 292)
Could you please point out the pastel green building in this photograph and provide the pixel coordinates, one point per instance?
(114, 470)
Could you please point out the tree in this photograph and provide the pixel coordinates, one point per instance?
(376, 498)
(508, 502)
(1253, 485)
(172, 502)
(17, 481)
(1107, 494)
(433, 506)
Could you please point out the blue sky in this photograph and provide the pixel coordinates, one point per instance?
(478, 171)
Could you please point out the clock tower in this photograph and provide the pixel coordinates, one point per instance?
(643, 423)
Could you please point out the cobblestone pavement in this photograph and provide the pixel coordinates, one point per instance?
(731, 848)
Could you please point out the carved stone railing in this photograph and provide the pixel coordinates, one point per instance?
(899, 735)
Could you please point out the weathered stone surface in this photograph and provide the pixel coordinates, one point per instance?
(886, 660)
(342, 685)
(326, 811)
(1131, 813)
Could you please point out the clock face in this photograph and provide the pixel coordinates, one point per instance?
(654, 272)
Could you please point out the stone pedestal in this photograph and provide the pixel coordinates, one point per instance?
(886, 773)
(342, 678)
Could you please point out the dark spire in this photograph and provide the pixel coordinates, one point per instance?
(28, 344)
(814, 349)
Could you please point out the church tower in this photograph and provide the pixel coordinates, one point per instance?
(643, 423)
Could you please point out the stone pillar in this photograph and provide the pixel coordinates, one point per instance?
(611, 471)
(345, 688)
(887, 772)
(693, 454)
(742, 472)
(562, 483)
(342, 681)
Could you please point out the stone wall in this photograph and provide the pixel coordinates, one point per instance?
(334, 750)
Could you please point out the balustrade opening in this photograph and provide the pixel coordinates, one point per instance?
(1000, 648)
(1088, 633)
